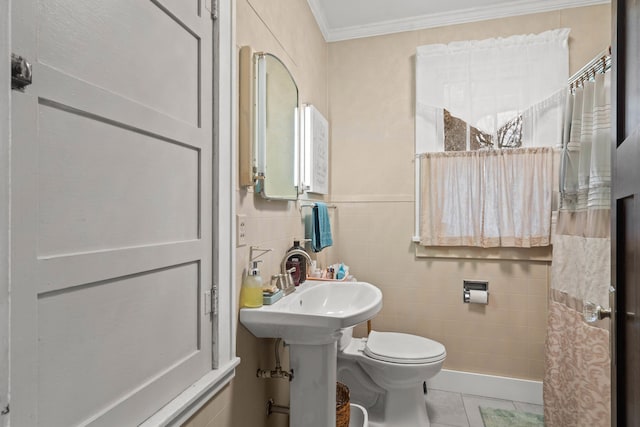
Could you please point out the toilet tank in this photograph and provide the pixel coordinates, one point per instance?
(346, 335)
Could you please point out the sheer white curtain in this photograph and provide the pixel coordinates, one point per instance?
(489, 82)
(487, 198)
(516, 83)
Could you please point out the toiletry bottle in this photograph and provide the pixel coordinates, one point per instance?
(299, 262)
(251, 291)
(293, 266)
(330, 273)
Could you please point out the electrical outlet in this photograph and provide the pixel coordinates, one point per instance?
(241, 230)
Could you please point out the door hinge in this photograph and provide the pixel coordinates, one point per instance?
(212, 7)
(207, 302)
(214, 300)
(21, 75)
(211, 301)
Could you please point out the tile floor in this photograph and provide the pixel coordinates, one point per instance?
(447, 409)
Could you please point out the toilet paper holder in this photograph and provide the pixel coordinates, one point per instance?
(473, 285)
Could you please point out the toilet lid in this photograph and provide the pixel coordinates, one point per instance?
(403, 348)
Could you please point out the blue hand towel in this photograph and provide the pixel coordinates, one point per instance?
(321, 235)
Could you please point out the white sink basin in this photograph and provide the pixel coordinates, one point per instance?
(309, 320)
(315, 312)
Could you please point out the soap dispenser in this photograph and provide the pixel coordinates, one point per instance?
(251, 291)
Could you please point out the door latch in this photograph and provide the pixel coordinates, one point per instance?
(21, 75)
(592, 312)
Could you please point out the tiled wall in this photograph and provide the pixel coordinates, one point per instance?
(288, 30)
(371, 84)
(423, 296)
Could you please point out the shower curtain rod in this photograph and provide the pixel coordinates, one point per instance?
(600, 64)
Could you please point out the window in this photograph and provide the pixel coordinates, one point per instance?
(489, 94)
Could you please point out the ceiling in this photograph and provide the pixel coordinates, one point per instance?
(349, 19)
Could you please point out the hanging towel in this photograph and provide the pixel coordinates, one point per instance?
(321, 233)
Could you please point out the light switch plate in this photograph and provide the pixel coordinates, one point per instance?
(241, 230)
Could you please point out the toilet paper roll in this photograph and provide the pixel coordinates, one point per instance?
(478, 297)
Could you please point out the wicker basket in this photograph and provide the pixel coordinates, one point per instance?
(342, 405)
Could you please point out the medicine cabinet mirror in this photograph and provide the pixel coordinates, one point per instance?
(275, 130)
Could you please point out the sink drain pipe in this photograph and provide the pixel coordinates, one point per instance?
(272, 408)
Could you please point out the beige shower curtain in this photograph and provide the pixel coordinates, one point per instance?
(577, 375)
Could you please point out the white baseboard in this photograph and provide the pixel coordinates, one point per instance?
(488, 385)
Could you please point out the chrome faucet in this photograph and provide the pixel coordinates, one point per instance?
(288, 280)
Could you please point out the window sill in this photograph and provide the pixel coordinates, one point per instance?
(180, 409)
(540, 254)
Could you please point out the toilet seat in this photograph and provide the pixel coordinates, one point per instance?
(396, 347)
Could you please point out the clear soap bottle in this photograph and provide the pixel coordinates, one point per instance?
(251, 291)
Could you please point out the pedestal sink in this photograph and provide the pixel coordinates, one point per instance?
(309, 321)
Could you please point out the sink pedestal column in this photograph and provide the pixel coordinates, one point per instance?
(313, 388)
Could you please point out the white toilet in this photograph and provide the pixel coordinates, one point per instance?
(385, 373)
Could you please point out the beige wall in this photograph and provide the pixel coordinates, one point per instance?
(371, 85)
(287, 29)
(365, 89)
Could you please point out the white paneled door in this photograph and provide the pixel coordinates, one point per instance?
(111, 209)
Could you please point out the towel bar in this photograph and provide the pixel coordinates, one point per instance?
(310, 205)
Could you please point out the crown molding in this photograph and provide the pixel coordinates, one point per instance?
(318, 12)
(515, 8)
